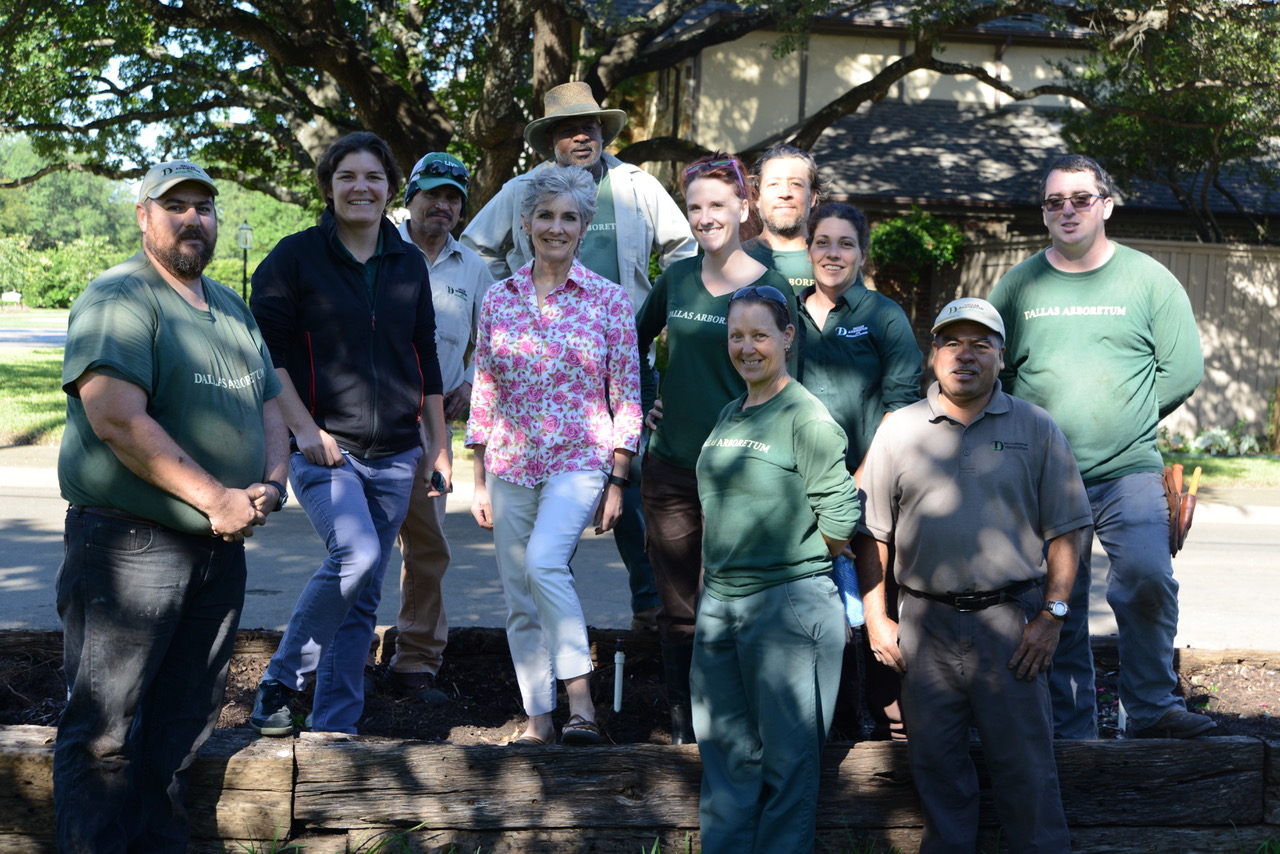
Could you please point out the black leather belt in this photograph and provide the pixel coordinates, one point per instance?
(967, 603)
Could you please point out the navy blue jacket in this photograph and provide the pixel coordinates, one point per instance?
(362, 368)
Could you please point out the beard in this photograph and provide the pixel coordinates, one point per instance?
(588, 164)
(785, 226)
(183, 262)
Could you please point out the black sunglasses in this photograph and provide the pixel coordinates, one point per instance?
(444, 169)
(768, 292)
(1079, 201)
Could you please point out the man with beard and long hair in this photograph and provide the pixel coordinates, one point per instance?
(175, 449)
(787, 184)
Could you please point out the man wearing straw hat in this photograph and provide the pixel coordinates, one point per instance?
(635, 217)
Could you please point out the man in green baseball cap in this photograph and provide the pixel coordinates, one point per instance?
(435, 195)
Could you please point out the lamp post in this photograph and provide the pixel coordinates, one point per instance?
(244, 240)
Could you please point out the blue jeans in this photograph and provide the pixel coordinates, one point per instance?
(1131, 520)
(766, 669)
(357, 509)
(150, 617)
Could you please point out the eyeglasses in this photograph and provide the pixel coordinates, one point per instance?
(1079, 201)
(768, 292)
(697, 168)
(443, 169)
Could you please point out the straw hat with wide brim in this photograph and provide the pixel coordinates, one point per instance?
(567, 101)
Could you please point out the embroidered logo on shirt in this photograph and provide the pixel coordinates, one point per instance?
(225, 382)
(855, 332)
(1010, 446)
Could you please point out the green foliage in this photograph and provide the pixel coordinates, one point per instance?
(1217, 441)
(54, 277)
(1188, 100)
(270, 219)
(254, 91)
(915, 244)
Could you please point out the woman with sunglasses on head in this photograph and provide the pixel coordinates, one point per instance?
(555, 420)
(771, 630)
(345, 307)
(690, 300)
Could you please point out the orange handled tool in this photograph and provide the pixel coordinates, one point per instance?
(1188, 509)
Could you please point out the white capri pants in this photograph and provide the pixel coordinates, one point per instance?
(535, 532)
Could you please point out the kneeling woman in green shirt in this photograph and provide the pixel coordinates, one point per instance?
(779, 503)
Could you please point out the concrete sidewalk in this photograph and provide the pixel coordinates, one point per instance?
(1229, 570)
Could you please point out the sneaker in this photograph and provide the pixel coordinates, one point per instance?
(1178, 723)
(418, 687)
(271, 715)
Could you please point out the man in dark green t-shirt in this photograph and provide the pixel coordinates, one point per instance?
(174, 450)
(786, 179)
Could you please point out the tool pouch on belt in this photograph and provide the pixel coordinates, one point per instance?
(1173, 494)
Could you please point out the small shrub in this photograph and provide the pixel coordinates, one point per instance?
(914, 244)
(1232, 442)
(1172, 443)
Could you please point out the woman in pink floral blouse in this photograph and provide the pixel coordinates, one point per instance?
(555, 420)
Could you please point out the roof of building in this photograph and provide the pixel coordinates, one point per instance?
(969, 156)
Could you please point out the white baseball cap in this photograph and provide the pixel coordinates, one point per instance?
(969, 308)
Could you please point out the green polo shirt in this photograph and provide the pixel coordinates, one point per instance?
(862, 363)
(599, 252)
(772, 482)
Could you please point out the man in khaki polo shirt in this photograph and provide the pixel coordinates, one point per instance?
(969, 484)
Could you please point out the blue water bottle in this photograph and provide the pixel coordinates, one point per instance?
(846, 578)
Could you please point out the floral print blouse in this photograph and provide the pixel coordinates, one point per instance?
(547, 379)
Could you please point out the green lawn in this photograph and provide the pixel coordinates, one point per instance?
(1230, 471)
(34, 318)
(32, 405)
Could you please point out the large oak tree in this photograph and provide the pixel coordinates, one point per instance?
(257, 88)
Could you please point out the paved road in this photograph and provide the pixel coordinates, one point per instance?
(1228, 572)
(28, 338)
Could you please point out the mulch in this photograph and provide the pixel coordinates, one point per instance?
(484, 705)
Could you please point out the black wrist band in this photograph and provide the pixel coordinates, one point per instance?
(619, 481)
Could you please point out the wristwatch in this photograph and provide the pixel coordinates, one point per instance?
(619, 481)
(1057, 609)
(284, 494)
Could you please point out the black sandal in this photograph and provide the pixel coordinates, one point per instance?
(579, 730)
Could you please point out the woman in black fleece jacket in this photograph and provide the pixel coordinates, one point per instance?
(345, 309)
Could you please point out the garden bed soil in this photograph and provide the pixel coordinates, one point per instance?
(1243, 695)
